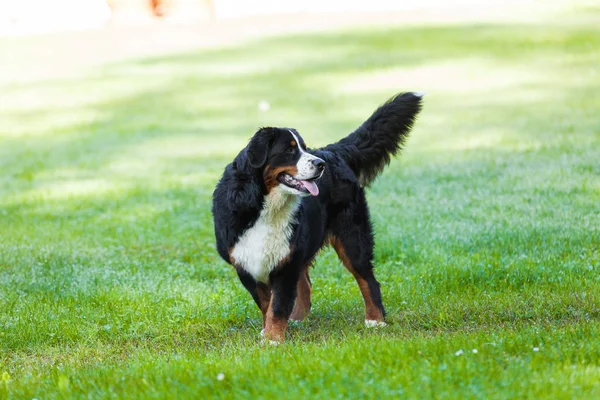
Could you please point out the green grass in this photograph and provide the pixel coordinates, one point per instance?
(487, 226)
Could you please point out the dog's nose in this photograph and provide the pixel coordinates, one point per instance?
(319, 164)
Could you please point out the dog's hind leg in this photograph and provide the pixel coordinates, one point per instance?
(303, 298)
(360, 266)
(352, 239)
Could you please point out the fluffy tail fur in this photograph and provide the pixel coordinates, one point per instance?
(369, 148)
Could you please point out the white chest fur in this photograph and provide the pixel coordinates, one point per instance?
(262, 247)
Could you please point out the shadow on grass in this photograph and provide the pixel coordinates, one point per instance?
(213, 93)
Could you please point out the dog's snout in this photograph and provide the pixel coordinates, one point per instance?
(319, 164)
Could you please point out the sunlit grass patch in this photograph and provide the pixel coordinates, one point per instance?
(487, 226)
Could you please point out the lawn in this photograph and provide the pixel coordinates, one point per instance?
(488, 239)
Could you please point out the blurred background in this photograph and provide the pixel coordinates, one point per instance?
(99, 98)
(31, 16)
(103, 101)
(117, 119)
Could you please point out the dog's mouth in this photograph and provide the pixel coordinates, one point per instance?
(303, 186)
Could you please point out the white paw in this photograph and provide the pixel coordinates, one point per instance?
(262, 333)
(270, 342)
(371, 323)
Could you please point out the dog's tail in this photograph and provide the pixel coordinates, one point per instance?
(369, 148)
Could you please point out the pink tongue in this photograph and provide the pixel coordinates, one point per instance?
(311, 187)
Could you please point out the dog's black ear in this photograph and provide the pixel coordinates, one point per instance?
(258, 148)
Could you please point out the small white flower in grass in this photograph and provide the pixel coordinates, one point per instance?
(221, 376)
(536, 349)
(474, 351)
(264, 106)
(458, 353)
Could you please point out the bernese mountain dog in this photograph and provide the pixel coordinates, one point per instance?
(279, 202)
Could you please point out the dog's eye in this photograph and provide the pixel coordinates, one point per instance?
(290, 150)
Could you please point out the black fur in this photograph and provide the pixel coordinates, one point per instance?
(258, 147)
(340, 210)
(369, 148)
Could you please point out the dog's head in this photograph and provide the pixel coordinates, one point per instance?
(281, 155)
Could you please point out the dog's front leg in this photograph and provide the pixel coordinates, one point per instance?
(283, 282)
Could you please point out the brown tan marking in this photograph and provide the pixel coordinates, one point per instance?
(275, 327)
(231, 258)
(264, 296)
(270, 175)
(303, 298)
(293, 143)
(372, 312)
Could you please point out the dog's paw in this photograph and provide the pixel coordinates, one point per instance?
(371, 323)
(270, 342)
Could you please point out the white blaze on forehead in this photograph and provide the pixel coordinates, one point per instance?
(298, 142)
(305, 166)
